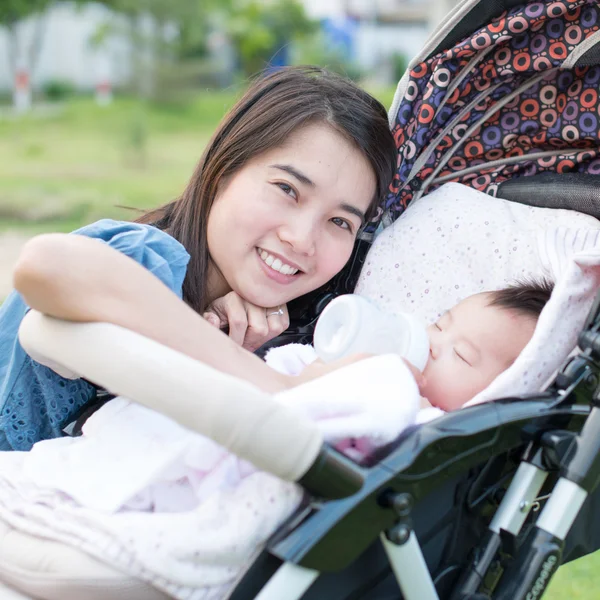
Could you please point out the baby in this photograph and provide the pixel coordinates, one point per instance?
(470, 345)
(479, 338)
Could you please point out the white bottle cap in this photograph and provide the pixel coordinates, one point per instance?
(350, 324)
(338, 328)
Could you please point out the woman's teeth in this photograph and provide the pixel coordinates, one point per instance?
(276, 264)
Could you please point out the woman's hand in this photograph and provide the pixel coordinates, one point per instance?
(249, 325)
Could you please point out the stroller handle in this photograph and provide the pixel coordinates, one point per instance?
(232, 412)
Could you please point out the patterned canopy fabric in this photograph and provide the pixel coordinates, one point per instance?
(517, 97)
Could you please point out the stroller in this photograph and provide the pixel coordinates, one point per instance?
(449, 511)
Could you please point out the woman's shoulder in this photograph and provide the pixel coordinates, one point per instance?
(129, 233)
(153, 248)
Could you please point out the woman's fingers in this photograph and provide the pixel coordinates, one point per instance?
(264, 324)
(231, 313)
(236, 317)
(249, 325)
(278, 319)
(258, 327)
(212, 318)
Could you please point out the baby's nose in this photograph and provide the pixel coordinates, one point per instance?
(433, 351)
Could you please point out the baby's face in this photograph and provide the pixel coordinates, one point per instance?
(470, 346)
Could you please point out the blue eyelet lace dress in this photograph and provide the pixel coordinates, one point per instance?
(35, 402)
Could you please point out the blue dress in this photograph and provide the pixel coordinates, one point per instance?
(35, 402)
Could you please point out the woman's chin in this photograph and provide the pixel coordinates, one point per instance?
(264, 298)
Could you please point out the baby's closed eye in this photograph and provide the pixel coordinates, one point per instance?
(461, 357)
(465, 352)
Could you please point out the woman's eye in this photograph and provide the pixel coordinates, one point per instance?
(341, 223)
(437, 327)
(288, 189)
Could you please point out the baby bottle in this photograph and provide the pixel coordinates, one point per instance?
(350, 324)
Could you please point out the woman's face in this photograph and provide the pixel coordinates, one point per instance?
(286, 222)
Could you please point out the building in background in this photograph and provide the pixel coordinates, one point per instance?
(371, 32)
(67, 52)
(381, 29)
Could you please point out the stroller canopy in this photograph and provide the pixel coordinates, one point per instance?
(498, 96)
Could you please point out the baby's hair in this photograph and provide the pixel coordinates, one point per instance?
(527, 297)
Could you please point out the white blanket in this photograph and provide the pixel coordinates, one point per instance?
(159, 502)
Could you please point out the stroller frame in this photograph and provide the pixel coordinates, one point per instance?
(504, 565)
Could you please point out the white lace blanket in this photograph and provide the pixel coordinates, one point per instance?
(168, 506)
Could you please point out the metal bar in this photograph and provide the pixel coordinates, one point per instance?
(289, 583)
(410, 569)
(562, 508)
(519, 499)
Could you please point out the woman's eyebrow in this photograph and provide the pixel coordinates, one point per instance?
(301, 177)
(353, 211)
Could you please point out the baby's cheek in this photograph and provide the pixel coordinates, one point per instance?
(449, 392)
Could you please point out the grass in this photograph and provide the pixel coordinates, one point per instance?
(85, 162)
(578, 580)
(62, 168)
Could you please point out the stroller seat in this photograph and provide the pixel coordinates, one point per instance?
(442, 466)
(49, 569)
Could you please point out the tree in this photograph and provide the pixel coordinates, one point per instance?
(166, 37)
(259, 31)
(12, 13)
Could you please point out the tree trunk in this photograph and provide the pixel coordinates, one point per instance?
(23, 62)
(13, 47)
(37, 42)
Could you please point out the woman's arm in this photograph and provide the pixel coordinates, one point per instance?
(81, 279)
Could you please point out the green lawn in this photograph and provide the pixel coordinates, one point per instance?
(579, 580)
(78, 162)
(61, 170)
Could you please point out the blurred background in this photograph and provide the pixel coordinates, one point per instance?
(106, 106)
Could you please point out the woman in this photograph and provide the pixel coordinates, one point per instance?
(271, 213)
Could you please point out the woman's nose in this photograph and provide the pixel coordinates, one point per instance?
(300, 235)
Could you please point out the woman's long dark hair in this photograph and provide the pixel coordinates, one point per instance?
(273, 107)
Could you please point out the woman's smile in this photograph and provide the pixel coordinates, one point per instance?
(280, 264)
(276, 269)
